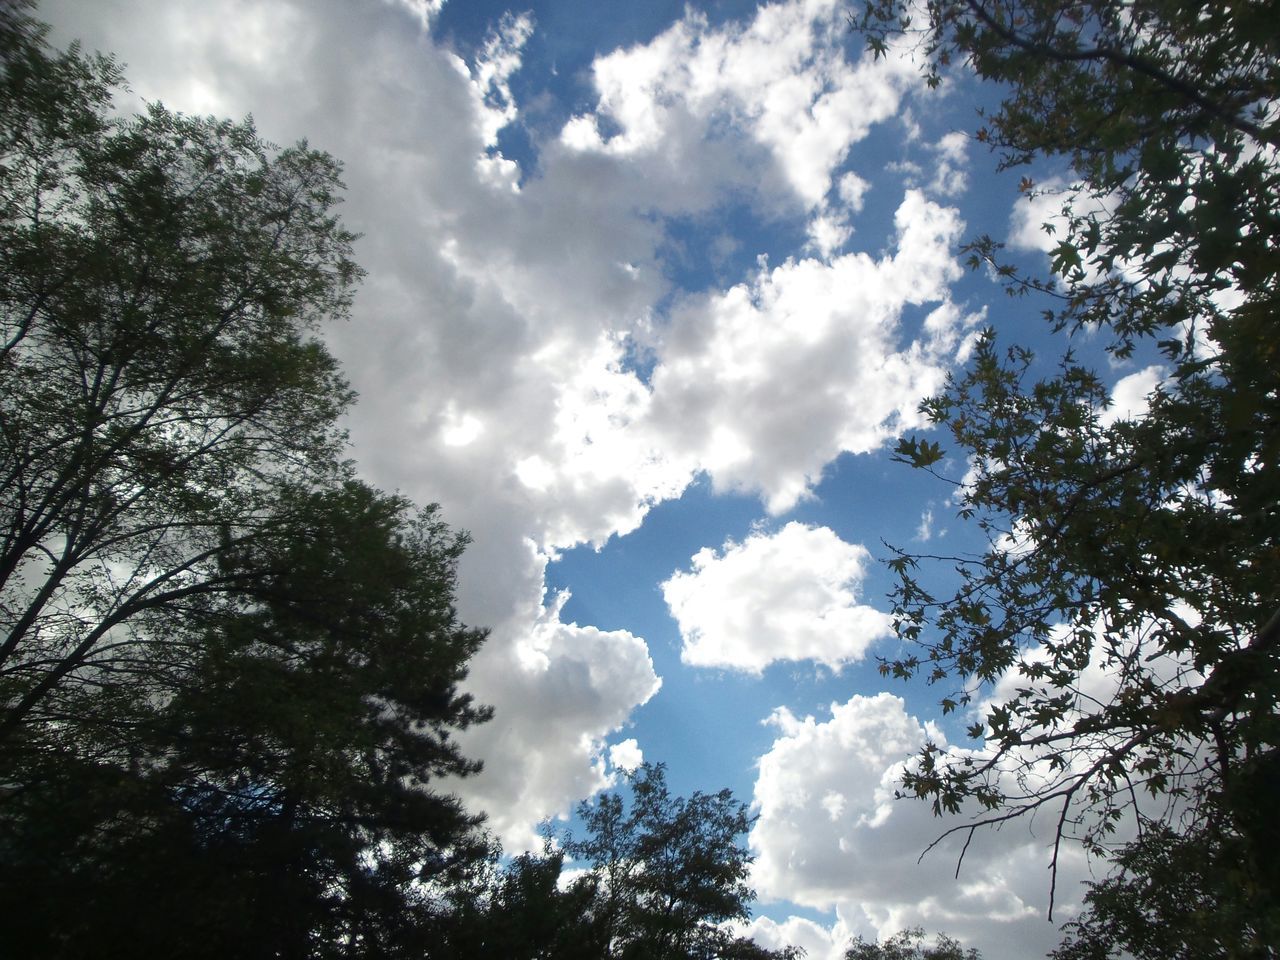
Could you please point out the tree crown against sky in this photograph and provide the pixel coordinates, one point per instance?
(1120, 637)
(230, 669)
(910, 945)
(163, 276)
(644, 875)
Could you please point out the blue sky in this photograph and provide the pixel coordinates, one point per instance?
(652, 290)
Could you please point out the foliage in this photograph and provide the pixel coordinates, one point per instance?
(910, 945)
(229, 670)
(284, 776)
(161, 276)
(668, 873)
(1128, 594)
(1181, 896)
(654, 878)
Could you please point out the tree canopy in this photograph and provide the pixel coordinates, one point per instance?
(653, 877)
(1128, 595)
(910, 945)
(229, 669)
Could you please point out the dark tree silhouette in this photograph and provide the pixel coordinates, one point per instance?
(1145, 550)
(655, 877)
(228, 669)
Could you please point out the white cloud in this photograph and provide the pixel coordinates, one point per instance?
(424, 10)
(781, 83)
(852, 190)
(1131, 396)
(828, 233)
(862, 862)
(626, 755)
(1030, 215)
(559, 690)
(492, 70)
(768, 382)
(817, 941)
(924, 532)
(949, 175)
(791, 595)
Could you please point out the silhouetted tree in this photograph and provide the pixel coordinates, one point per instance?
(654, 877)
(228, 670)
(1130, 580)
(910, 945)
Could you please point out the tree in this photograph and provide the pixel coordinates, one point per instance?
(162, 276)
(662, 878)
(229, 675)
(1128, 594)
(910, 945)
(525, 910)
(667, 872)
(277, 799)
(1177, 895)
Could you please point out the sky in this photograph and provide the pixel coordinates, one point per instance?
(652, 291)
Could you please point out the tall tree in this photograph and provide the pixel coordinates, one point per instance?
(229, 671)
(160, 282)
(1130, 583)
(271, 790)
(668, 872)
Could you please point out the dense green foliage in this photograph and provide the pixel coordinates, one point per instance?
(655, 877)
(229, 670)
(1131, 580)
(1191, 894)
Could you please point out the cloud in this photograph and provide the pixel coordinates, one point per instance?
(767, 382)
(924, 532)
(791, 595)
(780, 83)
(817, 942)
(626, 755)
(832, 836)
(949, 176)
(491, 72)
(563, 689)
(1131, 395)
(424, 10)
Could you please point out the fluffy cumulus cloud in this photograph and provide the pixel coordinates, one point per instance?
(626, 755)
(817, 941)
(782, 83)
(767, 382)
(832, 836)
(791, 595)
(564, 687)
